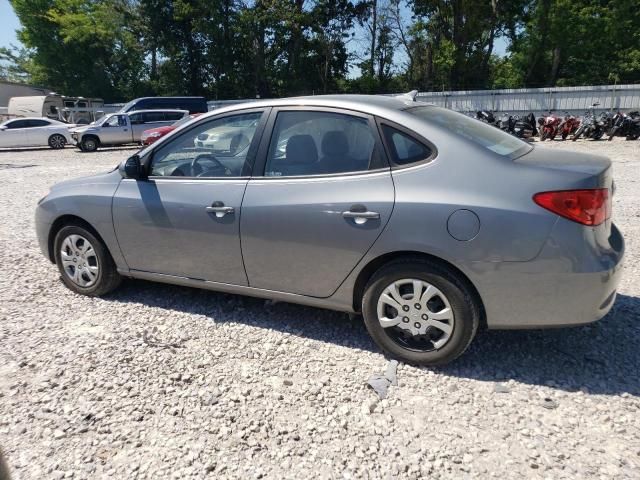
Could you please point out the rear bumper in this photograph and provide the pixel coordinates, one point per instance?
(571, 282)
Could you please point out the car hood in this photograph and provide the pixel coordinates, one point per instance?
(110, 177)
(88, 128)
(162, 130)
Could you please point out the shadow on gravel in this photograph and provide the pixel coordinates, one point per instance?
(109, 150)
(600, 358)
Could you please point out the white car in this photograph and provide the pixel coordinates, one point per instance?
(34, 132)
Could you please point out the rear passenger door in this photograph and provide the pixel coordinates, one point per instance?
(319, 198)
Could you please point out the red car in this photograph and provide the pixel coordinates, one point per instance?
(153, 134)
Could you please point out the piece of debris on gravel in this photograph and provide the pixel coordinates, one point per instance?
(157, 382)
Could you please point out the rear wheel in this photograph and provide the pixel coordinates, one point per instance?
(85, 264)
(419, 312)
(57, 141)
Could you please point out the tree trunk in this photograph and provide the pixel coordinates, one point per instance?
(555, 65)
(374, 34)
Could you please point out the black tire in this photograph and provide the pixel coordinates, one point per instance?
(89, 143)
(466, 312)
(107, 278)
(57, 141)
(543, 137)
(576, 135)
(564, 135)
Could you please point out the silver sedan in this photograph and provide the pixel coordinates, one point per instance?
(429, 223)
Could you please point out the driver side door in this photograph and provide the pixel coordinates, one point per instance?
(15, 134)
(184, 219)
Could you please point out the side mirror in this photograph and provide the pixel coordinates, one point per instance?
(132, 168)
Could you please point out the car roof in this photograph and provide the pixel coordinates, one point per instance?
(35, 118)
(372, 104)
(176, 110)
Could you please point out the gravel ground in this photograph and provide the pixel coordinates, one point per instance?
(156, 381)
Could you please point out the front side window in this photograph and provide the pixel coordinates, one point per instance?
(478, 132)
(320, 143)
(18, 124)
(116, 121)
(216, 148)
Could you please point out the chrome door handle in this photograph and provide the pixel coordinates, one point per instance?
(360, 217)
(219, 209)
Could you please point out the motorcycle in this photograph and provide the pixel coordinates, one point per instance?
(525, 127)
(625, 125)
(550, 125)
(592, 127)
(520, 127)
(568, 126)
(487, 117)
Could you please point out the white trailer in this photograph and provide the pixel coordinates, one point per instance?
(78, 110)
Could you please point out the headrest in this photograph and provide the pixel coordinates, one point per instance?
(301, 149)
(335, 143)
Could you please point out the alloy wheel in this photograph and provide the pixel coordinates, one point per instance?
(415, 315)
(57, 141)
(79, 260)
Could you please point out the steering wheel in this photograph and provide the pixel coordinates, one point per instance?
(198, 171)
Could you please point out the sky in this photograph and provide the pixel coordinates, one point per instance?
(9, 23)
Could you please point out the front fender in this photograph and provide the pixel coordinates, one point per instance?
(88, 199)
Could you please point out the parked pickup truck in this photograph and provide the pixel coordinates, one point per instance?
(123, 128)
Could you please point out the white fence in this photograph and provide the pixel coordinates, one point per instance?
(538, 100)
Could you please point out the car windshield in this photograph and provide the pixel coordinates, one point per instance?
(101, 121)
(128, 105)
(489, 137)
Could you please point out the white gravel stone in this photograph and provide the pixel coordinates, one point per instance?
(254, 389)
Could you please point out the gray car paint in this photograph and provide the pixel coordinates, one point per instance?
(530, 267)
(163, 227)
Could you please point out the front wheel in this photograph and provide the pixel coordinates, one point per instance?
(576, 135)
(57, 141)
(420, 312)
(84, 262)
(89, 144)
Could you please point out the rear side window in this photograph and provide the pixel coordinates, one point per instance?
(153, 117)
(173, 116)
(320, 143)
(38, 123)
(404, 149)
(136, 119)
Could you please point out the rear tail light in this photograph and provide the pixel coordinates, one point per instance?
(588, 207)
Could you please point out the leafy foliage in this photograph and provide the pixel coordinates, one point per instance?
(119, 49)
